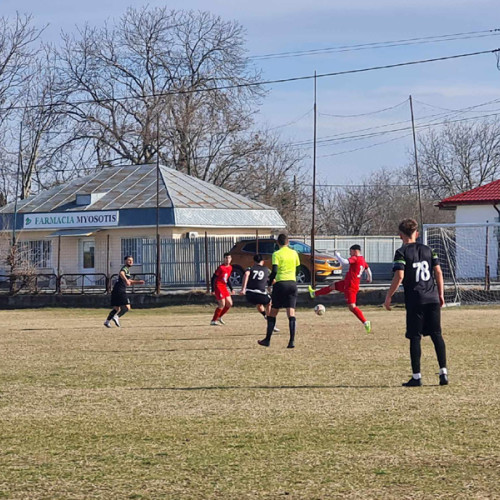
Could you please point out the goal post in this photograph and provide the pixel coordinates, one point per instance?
(470, 259)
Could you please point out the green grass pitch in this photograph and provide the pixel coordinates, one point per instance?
(169, 407)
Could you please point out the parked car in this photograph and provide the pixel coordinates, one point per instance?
(242, 253)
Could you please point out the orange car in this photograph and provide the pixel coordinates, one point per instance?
(243, 252)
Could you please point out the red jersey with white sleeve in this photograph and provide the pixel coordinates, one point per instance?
(220, 281)
(357, 266)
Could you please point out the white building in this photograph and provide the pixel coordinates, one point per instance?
(87, 225)
(476, 244)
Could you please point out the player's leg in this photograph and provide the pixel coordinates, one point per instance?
(323, 291)
(111, 315)
(414, 325)
(432, 323)
(350, 297)
(290, 310)
(220, 306)
(124, 310)
(267, 304)
(292, 323)
(228, 303)
(271, 317)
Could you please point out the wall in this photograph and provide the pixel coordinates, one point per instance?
(475, 213)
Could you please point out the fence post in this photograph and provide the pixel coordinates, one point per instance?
(108, 276)
(58, 277)
(207, 272)
(158, 263)
(487, 267)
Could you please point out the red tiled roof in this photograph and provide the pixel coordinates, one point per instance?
(487, 194)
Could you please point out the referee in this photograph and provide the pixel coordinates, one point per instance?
(285, 262)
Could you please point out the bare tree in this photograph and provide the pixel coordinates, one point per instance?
(18, 47)
(460, 157)
(183, 70)
(271, 172)
(376, 206)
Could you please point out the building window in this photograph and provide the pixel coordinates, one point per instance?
(133, 247)
(36, 253)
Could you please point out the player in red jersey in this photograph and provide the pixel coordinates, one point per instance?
(222, 289)
(350, 284)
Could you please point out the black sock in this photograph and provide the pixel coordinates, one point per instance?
(111, 315)
(415, 354)
(263, 313)
(271, 323)
(291, 326)
(123, 310)
(440, 348)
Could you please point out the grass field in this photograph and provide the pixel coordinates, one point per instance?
(168, 407)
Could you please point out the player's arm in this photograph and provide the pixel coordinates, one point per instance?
(245, 282)
(212, 281)
(369, 276)
(396, 282)
(341, 259)
(273, 274)
(137, 282)
(438, 275)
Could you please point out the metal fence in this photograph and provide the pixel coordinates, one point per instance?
(186, 262)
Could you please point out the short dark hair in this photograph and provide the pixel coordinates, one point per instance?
(257, 257)
(127, 257)
(282, 239)
(408, 227)
(227, 254)
(355, 247)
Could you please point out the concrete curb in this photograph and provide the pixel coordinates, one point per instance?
(177, 298)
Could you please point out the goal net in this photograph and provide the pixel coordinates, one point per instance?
(470, 259)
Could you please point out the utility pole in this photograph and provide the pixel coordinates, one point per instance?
(313, 227)
(416, 164)
(158, 240)
(19, 169)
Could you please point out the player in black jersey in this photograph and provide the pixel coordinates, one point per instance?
(414, 265)
(254, 286)
(119, 299)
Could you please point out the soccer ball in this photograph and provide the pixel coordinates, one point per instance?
(320, 309)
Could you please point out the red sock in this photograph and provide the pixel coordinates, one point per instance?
(217, 314)
(322, 291)
(224, 311)
(357, 312)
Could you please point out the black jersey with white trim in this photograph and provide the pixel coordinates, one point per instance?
(257, 281)
(120, 284)
(417, 261)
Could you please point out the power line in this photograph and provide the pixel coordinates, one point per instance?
(255, 84)
(294, 121)
(365, 147)
(376, 45)
(366, 114)
(343, 137)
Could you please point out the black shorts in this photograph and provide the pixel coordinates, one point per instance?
(119, 298)
(424, 319)
(284, 294)
(258, 298)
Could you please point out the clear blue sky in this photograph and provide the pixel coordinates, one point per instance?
(298, 25)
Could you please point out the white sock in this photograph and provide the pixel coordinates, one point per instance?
(417, 376)
(443, 371)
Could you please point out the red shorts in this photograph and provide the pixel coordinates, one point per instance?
(348, 290)
(221, 292)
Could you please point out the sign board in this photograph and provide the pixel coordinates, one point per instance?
(70, 220)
